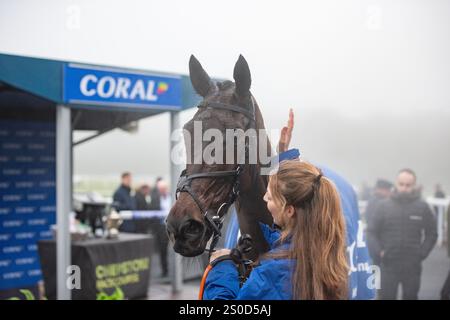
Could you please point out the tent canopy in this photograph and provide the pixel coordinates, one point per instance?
(38, 85)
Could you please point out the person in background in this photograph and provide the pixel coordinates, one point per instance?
(141, 197)
(438, 192)
(165, 201)
(160, 200)
(155, 195)
(366, 192)
(124, 200)
(445, 292)
(381, 191)
(401, 234)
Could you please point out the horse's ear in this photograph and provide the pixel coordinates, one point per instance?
(242, 77)
(199, 78)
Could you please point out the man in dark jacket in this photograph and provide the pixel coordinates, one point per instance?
(122, 196)
(401, 234)
(123, 200)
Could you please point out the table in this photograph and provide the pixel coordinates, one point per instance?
(104, 264)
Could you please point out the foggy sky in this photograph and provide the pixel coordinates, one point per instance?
(368, 80)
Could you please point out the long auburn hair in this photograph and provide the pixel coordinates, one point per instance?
(317, 231)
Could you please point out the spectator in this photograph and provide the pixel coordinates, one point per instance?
(141, 198)
(155, 196)
(160, 200)
(122, 196)
(445, 292)
(365, 192)
(401, 234)
(165, 200)
(142, 194)
(382, 191)
(439, 193)
(123, 200)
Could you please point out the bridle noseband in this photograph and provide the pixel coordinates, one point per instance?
(215, 218)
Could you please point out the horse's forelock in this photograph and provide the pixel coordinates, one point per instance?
(226, 85)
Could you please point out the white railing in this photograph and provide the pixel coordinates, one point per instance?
(440, 207)
(142, 214)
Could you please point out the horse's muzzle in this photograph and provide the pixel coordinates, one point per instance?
(188, 236)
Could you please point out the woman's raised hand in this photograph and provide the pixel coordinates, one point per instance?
(286, 134)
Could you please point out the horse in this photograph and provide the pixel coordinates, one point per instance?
(206, 190)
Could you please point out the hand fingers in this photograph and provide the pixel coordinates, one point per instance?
(291, 119)
(219, 253)
(290, 126)
(283, 135)
(283, 140)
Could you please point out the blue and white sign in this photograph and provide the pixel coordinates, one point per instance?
(112, 87)
(27, 198)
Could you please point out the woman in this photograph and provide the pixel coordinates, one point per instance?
(307, 259)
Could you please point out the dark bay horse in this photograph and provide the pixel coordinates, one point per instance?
(207, 189)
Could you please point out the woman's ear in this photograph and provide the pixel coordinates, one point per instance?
(290, 211)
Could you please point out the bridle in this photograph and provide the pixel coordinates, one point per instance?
(214, 218)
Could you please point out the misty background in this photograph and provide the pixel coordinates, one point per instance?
(369, 81)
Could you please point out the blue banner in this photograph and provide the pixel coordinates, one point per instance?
(27, 198)
(111, 87)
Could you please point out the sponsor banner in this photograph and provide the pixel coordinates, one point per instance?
(27, 198)
(114, 87)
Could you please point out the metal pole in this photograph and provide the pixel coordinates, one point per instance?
(63, 198)
(177, 276)
(440, 224)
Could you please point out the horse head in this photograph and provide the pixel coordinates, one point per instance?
(219, 173)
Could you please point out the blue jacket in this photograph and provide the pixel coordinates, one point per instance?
(271, 280)
(123, 200)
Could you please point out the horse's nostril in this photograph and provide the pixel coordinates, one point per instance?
(192, 228)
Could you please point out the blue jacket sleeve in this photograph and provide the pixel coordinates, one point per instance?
(222, 282)
(268, 281)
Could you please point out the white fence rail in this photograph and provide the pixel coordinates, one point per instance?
(440, 208)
